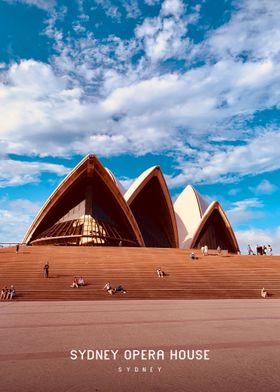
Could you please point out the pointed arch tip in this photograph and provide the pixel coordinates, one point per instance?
(140, 182)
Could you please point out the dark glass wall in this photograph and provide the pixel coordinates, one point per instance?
(153, 217)
(215, 233)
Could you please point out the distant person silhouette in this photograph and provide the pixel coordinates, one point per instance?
(205, 250)
(193, 256)
(269, 250)
(46, 270)
(250, 251)
(264, 293)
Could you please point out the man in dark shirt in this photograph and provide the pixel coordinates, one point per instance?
(46, 270)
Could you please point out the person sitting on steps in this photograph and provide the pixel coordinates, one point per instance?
(264, 293)
(120, 289)
(11, 293)
(81, 281)
(4, 292)
(160, 273)
(193, 256)
(75, 285)
(109, 288)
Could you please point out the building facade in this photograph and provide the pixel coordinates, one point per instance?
(89, 207)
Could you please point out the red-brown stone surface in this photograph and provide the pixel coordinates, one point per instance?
(243, 337)
(225, 276)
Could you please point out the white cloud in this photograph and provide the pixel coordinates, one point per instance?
(264, 187)
(13, 225)
(41, 104)
(25, 206)
(82, 15)
(16, 216)
(14, 173)
(234, 191)
(46, 5)
(51, 31)
(164, 36)
(132, 9)
(93, 98)
(197, 7)
(109, 8)
(245, 210)
(252, 32)
(44, 115)
(151, 2)
(255, 236)
(39, 112)
(259, 155)
(172, 7)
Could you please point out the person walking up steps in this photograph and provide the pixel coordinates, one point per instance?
(250, 250)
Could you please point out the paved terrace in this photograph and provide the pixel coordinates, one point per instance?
(243, 337)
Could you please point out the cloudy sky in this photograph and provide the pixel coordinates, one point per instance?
(193, 86)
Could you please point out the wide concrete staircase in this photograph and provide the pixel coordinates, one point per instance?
(208, 277)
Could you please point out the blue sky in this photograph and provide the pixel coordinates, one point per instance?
(190, 85)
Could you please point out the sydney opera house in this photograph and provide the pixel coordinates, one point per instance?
(90, 207)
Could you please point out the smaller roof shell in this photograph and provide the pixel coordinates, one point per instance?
(140, 183)
(215, 205)
(189, 208)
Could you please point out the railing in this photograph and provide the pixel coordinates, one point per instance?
(9, 244)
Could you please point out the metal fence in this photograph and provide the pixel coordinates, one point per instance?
(9, 244)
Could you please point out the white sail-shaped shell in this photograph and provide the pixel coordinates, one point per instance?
(189, 208)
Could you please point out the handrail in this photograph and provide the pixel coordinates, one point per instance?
(6, 244)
